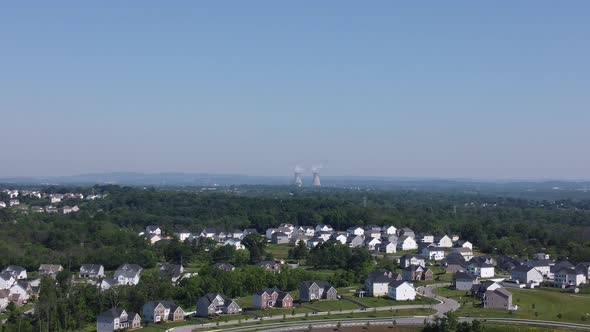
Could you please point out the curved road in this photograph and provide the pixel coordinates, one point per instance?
(441, 308)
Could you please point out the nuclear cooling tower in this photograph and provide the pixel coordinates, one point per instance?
(316, 179)
(298, 181)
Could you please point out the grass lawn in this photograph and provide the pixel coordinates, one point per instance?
(384, 302)
(332, 305)
(548, 305)
(278, 250)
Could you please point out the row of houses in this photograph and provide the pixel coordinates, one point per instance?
(386, 283)
(117, 319)
(54, 197)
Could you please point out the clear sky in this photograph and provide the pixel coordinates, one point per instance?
(469, 89)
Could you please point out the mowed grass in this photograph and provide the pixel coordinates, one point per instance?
(331, 305)
(278, 250)
(538, 304)
(372, 302)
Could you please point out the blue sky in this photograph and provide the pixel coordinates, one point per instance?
(452, 89)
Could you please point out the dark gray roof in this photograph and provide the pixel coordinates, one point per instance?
(396, 283)
(90, 268)
(111, 313)
(464, 276)
(522, 268)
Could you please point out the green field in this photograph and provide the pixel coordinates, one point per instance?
(538, 304)
(278, 250)
(332, 305)
(372, 302)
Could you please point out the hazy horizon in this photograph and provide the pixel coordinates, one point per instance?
(441, 90)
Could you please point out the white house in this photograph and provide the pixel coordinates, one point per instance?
(13, 202)
(92, 271)
(18, 272)
(371, 243)
(465, 252)
(401, 291)
(527, 275)
(20, 291)
(355, 231)
(426, 238)
(236, 243)
(307, 230)
(377, 282)
(6, 280)
(2, 204)
(569, 277)
(389, 230)
(388, 247)
(467, 244)
(406, 243)
(435, 253)
(324, 228)
(481, 269)
(341, 238)
(128, 274)
(152, 229)
(443, 241)
(182, 235)
(324, 235)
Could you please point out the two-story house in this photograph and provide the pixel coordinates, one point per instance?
(215, 303)
(117, 319)
(311, 290)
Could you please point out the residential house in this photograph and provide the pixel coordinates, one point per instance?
(543, 266)
(249, 231)
(270, 266)
(316, 290)
(18, 272)
(66, 209)
(426, 238)
(237, 234)
(183, 235)
(20, 292)
(372, 233)
(435, 253)
(227, 267)
(108, 283)
(4, 299)
(355, 231)
(498, 298)
(443, 241)
(406, 242)
(479, 290)
(154, 230)
(389, 230)
(13, 202)
(378, 281)
(117, 319)
(2, 204)
(416, 273)
(454, 237)
(526, 275)
(407, 260)
(236, 243)
(128, 274)
(466, 252)
(279, 238)
(324, 235)
(215, 303)
(6, 280)
(401, 291)
(314, 242)
(454, 263)
(94, 271)
(37, 209)
(541, 255)
(162, 311)
(390, 238)
(340, 237)
(269, 232)
(372, 243)
(50, 270)
(172, 272)
(323, 228)
(481, 269)
(355, 241)
(272, 298)
(388, 247)
(154, 238)
(307, 230)
(463, 244)
(569, 277)
(407, 232)
(584, 266)
(558, 266)
(464, 281)
(51, 209)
